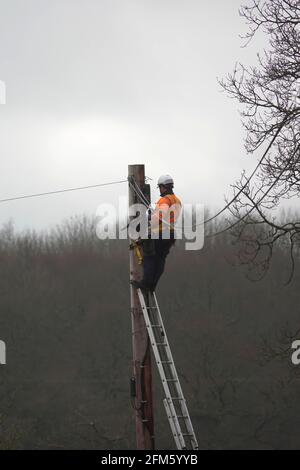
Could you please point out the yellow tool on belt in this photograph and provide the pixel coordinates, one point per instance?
(137, 249)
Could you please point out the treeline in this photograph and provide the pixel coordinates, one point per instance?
(65, 318)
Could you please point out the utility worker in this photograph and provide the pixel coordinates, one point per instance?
(161, 236)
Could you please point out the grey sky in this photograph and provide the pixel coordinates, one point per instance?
(93, 85)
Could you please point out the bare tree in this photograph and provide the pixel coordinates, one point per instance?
(270, 95)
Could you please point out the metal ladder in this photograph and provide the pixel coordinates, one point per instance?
(174, 401)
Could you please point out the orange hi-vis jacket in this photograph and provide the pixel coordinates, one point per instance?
(166, 212)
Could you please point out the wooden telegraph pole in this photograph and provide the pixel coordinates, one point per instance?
(142, 375)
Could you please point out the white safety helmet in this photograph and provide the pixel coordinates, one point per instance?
(165, 179)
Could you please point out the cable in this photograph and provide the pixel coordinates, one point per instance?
(144, 200)
(142, 196)
(62, 191)
(139, 192)
(260, 200)
(247, 180)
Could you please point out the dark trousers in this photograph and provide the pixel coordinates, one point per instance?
(154, 264)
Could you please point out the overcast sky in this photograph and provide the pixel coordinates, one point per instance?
(95, 85)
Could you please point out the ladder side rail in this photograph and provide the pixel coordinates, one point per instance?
(161, 372)
(173, 424)
(177, 384)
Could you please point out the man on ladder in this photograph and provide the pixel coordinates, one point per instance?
(162, 234)
(161, 237)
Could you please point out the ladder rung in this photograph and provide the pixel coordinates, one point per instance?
(163, 356)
